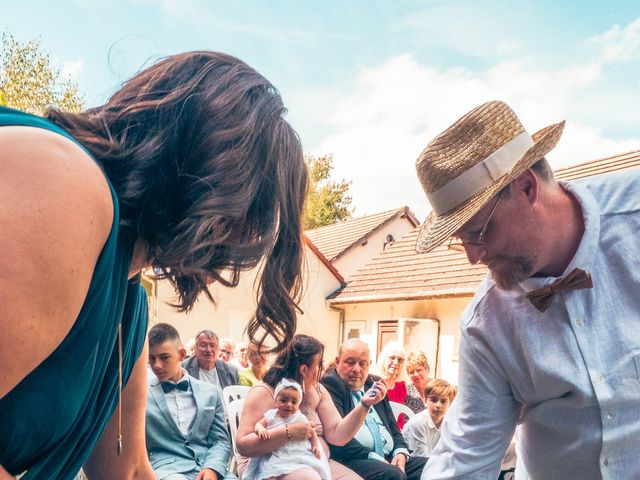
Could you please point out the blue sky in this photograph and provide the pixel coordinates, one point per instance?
(371, 81)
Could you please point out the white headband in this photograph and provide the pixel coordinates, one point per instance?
(481, 175)
(286, 383)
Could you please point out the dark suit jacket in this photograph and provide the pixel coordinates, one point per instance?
(227, 374)
(343, 401)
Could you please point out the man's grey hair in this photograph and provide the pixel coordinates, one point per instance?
(208, 333)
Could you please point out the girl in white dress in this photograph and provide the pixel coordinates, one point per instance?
(293, 455)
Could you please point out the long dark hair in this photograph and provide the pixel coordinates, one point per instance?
(209, 176)
(300, 352)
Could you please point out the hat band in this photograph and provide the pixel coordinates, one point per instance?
(481, 175)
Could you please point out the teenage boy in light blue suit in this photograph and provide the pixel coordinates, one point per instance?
(186, 432)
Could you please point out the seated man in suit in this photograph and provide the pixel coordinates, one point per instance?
(186, 431)
(205, 364)
(378, 451)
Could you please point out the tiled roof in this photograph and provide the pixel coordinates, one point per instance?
(599, 166)
(399, 273)
(335, 240)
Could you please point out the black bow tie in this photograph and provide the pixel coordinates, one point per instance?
(170, 386)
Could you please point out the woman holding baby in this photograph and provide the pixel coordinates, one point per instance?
(302, 363)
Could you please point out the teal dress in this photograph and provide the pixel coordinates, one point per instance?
(51, 420)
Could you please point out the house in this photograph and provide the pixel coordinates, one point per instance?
(349, 245)
(235, 306)
(329, 252)
(419, 297)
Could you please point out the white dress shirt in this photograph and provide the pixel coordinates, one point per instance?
(421, 434)
(182, 405)
(571, 375)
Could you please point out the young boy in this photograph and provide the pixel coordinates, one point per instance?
(422, 432)
(186, 431)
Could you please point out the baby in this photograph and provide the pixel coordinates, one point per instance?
(293, 455)
(422, 431)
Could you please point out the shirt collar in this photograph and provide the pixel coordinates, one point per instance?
(585, 255)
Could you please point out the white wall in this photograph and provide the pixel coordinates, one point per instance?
(446, 311)
(360, 255)
(236, 305)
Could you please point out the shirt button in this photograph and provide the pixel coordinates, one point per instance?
(606, 462)
(579, 322)
(609, 416)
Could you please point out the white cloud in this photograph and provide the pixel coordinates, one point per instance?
(619, 44)
(377, 127)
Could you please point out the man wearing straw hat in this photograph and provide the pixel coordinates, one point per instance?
(551, 340)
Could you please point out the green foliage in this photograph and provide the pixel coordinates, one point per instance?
(328, 201)
(29, 82)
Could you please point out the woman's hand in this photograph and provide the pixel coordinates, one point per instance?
(381, 391)
(300, 430)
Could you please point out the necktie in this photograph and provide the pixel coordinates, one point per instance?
(170, 386)
(373, 427)
(575, 280)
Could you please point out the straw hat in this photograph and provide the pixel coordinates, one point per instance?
(472, 160)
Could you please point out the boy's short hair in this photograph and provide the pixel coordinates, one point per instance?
(161, 332)
(440, 388)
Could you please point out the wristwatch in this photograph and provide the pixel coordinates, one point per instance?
(366, 407)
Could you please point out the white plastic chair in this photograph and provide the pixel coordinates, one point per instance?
(401, 409)
(234, 410)
(232, 394)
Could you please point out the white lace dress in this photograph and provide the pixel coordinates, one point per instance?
(291, 456)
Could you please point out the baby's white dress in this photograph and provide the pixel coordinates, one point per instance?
(291, 456)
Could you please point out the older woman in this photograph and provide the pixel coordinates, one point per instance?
(301, 362)
(418, 370)
(389, 367)
(252, 375)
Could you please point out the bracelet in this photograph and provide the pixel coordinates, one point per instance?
(366, 407)
(286, 429)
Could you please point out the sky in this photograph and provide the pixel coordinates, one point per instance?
(372, 82)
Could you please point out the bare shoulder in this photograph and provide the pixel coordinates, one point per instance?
(56, 213)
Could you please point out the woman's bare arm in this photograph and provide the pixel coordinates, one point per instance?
(248, 443)
(337, 430)
(55, 216)
(104, 463)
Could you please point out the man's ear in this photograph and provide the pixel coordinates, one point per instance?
(527, 184)
(183, 353)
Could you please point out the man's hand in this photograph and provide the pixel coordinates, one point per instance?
(400, 460)
(301, 430)
(207, 474)
(381, 391)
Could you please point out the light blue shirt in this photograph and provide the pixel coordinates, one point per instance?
(364, 436)
(569, 376)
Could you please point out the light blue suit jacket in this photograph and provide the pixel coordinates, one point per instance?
(207, 443)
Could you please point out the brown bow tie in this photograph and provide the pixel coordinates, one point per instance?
(574, 280)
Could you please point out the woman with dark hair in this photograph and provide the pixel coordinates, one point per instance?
(190, 168)
(301, 362)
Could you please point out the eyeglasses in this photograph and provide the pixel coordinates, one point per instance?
(458, 244)
(395, 358)
(228, 352)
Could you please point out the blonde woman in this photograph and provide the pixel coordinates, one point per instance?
(390, 368)
(418, 370)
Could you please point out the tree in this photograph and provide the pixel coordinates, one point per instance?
(29, 82)
(328, 201)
